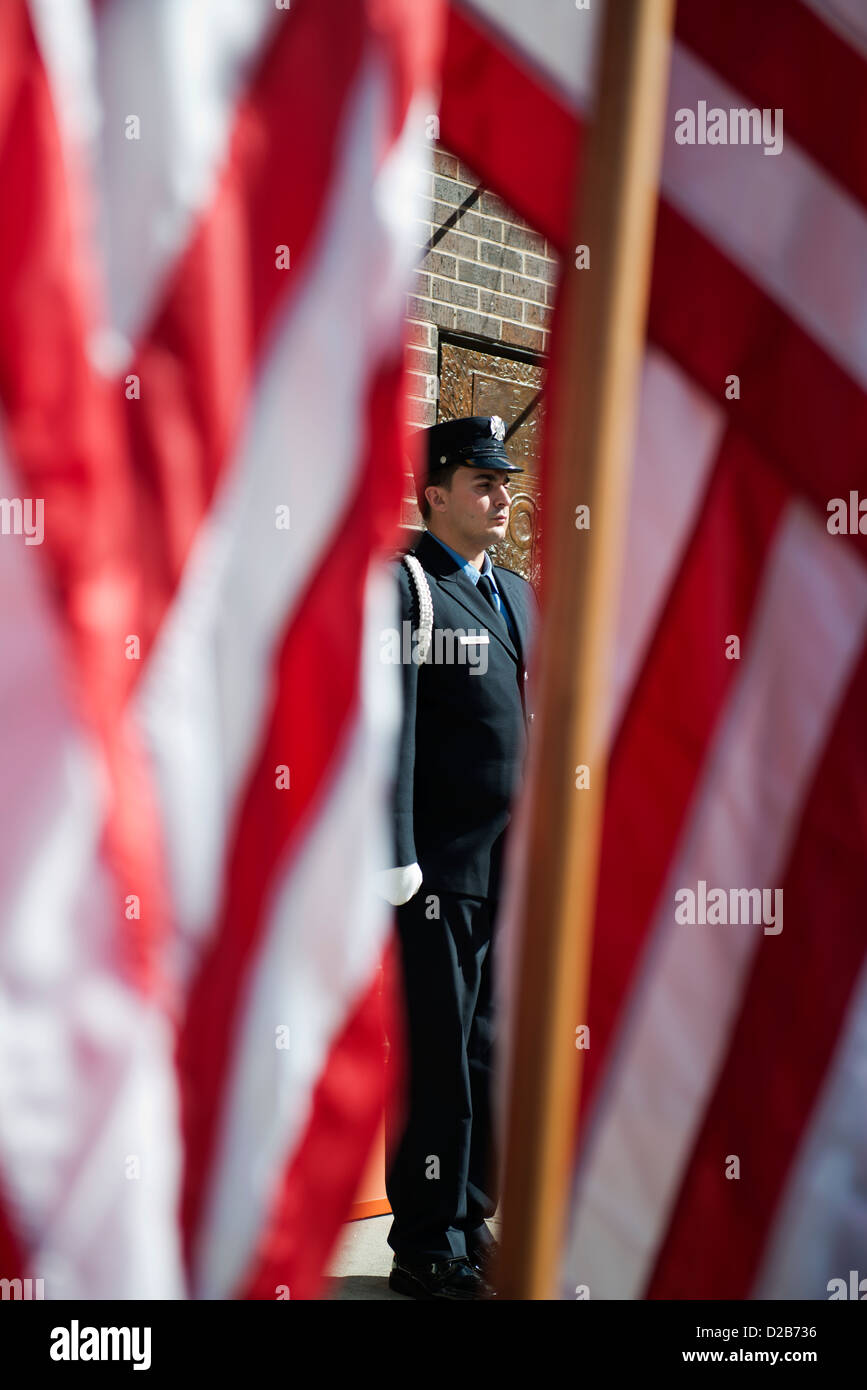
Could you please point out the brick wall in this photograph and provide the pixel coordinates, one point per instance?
(490, 276)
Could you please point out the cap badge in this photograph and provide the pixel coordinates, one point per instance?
(498, 429)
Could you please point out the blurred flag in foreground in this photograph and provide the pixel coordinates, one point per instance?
(723, 1142)
(206, 240)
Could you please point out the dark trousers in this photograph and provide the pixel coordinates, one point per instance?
(441, 1181)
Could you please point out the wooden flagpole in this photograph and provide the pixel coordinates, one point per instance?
(596, 387)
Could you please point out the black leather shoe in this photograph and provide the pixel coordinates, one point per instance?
(457, 1280)
(483, 1259)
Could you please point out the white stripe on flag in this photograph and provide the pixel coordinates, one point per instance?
(820, 1230)
(205, 691)
(781, 218)
(64, 31)
(179, 67)
(808, 630)
(677, 442)
(86, 1072)
(325, 935)
(559, 38)
(847, 18)
(793, 205)
(353, 308)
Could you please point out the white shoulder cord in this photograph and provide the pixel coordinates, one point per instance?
(425, 605)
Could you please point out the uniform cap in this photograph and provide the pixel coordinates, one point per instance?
(476, 441)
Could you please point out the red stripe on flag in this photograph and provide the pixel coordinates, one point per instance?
(307, 730)
(797, 405)
(709, 316)
(311, 720)
(199, 361)
(516, 135)
(322, 1178)
(61, 424)
(12, 1257)
(781, 54)
(668, 723)
(786, 1032)
(65, 433)
(411, 43)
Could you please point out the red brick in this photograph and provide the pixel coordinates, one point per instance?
(504, 306)
(485, 275)
(421, 412)
(536, 315)
(501, 256)
(448, 191)
(440, 264)
(432, 310)
(494, 206)
(523, 287)
(469, 222)
(493, 231)
(450, 292)
(519, 336)
(523, 239)
(417, 386)
(417, 360)
(480, 324)
(541, 269)
(409, 513)
(445, 164)
(420, 334)
(459, 245)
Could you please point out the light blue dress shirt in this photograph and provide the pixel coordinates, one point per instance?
(475, 575)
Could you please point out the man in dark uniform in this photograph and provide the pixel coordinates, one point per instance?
(461, 755)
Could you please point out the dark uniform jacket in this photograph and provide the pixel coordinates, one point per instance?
(464, 735)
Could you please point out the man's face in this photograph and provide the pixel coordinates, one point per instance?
(476, 507)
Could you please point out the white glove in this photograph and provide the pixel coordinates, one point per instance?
(397, 886)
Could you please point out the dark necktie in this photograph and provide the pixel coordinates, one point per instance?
(486, 587)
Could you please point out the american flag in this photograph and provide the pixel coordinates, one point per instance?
(204, 251)
(713, 1043)
(205, 243)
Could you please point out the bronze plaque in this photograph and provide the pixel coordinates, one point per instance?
(483, 383)
(512, 401)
